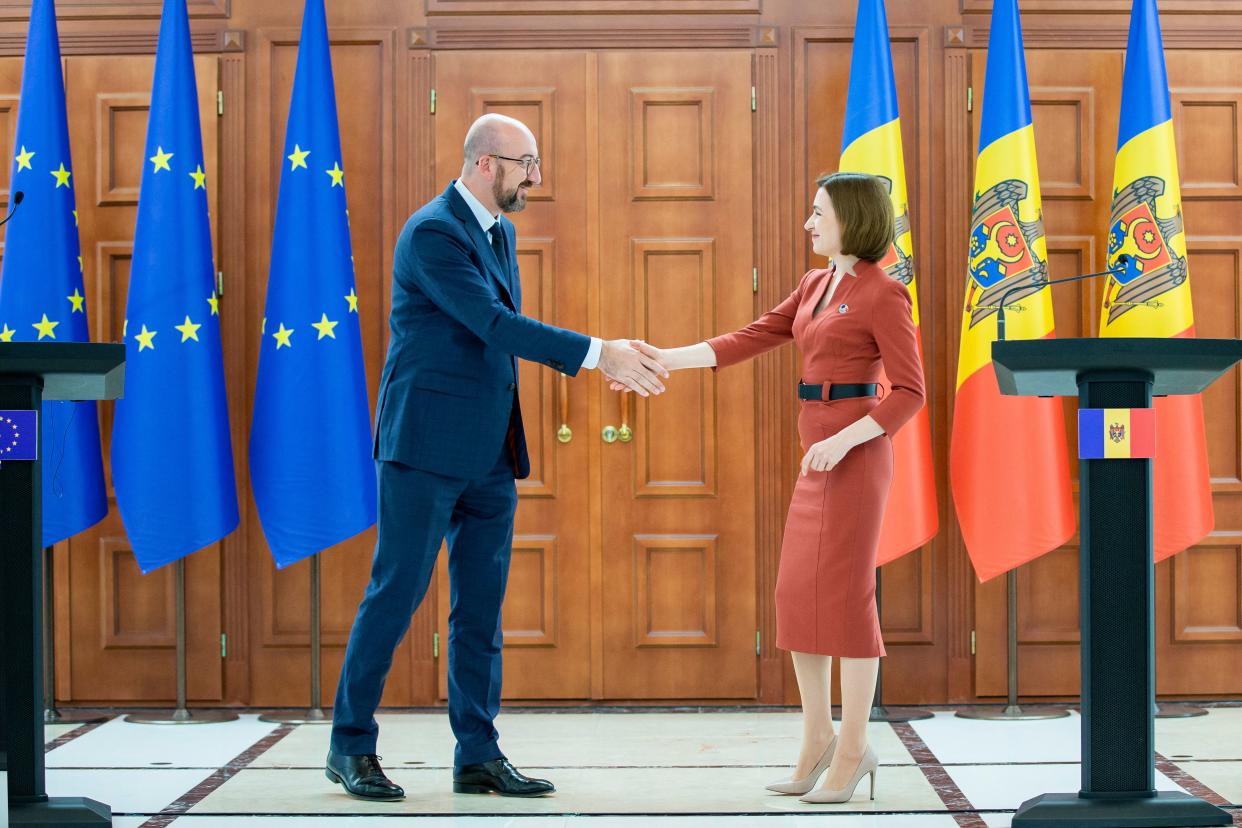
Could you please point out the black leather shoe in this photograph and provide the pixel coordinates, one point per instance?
(362, 777)
(498, 776)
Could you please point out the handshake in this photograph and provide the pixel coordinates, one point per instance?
(632, 365)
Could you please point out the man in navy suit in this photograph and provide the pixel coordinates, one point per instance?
(449, 443)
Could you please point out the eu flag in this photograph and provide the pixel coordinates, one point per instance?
(311, 465)
(172, 463)
(19, 435)
(41, 288)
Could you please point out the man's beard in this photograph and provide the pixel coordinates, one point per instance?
(513, 201)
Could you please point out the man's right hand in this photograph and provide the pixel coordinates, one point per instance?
(632, 368)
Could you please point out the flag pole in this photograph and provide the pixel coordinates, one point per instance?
(880, 713)
(182, 714)
(314, 714)
(50, 714)
(1012, 711)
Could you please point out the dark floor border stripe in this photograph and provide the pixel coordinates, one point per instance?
(1192, 786)
(205, 788)
(66, 738)
(964, 814)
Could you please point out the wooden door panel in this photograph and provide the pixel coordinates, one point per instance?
(678, 555)
(279, 600)
(909, 586)
(546, 616)
(116, 627)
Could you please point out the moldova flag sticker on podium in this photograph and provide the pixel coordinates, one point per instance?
(1111, 433)
(19, 435)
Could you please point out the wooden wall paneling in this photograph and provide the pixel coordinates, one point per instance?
(821, 78)
(233, 276)
(958, 164)
(505, 7)
(364, 68)
(1116, 7)
(117, 619)
(773, 404)
(19, 10)
(416, 167)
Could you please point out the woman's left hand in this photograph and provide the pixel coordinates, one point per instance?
(825, 454)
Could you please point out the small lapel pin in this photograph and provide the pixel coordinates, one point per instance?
(843, 308)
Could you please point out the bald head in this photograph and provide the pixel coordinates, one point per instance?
(495, 134)
(497, 152)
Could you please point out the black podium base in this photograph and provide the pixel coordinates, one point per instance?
(1167, 808)
(59, 810)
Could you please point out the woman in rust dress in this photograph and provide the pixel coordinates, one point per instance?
(848, 321)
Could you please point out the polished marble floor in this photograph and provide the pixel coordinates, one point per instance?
(678, 769)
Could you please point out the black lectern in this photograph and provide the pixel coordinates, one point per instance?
(31, 372)
(1117, 595)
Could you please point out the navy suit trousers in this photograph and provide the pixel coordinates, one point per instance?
(417, 510)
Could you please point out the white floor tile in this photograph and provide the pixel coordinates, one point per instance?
(958, 741)
(126, 791)
(119, 744)
(553, 740)
(1218, 735)
(1005, 787)
(579, 791)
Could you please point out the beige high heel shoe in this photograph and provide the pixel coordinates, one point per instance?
(801, 786)
(866, 766)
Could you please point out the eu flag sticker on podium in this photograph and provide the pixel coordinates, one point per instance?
(19, 435)
(1112, 433)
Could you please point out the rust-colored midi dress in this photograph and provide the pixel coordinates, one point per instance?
(825, 588)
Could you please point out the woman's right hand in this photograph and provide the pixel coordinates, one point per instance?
(649, 350)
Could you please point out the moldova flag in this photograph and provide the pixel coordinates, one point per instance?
(1151, 296)
(1007, 455)
(872, 144)
(1113, 433)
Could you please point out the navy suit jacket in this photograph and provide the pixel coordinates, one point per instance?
(448, 394)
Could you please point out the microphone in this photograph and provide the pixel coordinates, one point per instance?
(18, 195)
(1120, 266)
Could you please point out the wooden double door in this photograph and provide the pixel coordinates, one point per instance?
(633, 569)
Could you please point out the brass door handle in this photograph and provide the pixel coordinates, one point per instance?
(625, 433)
(612, 434)
(564, 434)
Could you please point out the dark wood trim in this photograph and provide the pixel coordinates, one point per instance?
(231, 230)
(593, 7)
(456, 36)
(771, 390)
(68, 9)
(419, 175)
(1167, 7)
(89, 42)
(1111, 36)
(958, 177)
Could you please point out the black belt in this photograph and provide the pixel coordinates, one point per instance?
(836, 390)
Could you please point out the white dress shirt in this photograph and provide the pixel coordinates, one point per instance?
(487, 221)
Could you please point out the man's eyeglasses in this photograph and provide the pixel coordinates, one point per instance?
(527, 163)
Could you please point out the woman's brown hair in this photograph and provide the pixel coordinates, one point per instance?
(864, 211)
